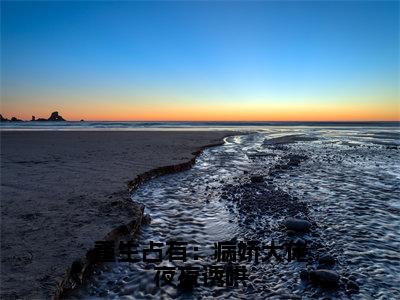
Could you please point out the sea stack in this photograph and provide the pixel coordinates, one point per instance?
(55, 117)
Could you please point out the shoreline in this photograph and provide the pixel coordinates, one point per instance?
(116, 209)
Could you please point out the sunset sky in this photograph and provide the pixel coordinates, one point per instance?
(263, 61)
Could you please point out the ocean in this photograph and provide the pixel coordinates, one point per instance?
(136, 125)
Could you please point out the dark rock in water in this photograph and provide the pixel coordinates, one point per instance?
(55, 117)
(298, 225)
(304, 275)
(291, 233)
(326, 259)
(352, 287)
(324, 277)
(3, 119)
(33, 118)
(256, 179)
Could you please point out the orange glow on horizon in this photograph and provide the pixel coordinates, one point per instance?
(217, 112)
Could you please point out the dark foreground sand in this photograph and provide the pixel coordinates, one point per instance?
(62, 191)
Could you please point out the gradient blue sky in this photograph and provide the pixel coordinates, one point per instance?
(203, 60)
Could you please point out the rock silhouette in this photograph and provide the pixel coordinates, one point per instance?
(54, 117)
(13, 119)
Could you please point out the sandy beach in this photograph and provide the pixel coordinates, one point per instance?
(62, 191)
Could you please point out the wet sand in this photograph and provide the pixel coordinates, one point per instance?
(62, 191)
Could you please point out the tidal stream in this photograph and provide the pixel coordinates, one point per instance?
(344, 181)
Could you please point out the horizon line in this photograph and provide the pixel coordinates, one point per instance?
(220, 121)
